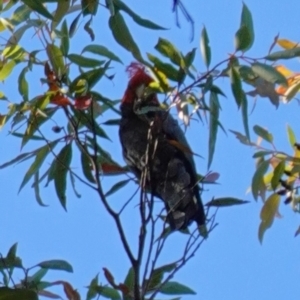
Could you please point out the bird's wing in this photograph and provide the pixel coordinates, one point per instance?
(176, 136)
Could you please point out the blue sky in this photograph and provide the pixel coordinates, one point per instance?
(231, 264)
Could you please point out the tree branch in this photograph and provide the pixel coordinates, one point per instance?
(112, 213)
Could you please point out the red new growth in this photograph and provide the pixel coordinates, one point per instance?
(138, 76)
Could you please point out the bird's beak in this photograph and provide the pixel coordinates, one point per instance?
(140, 91)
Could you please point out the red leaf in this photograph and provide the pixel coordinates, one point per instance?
(108, 168)
(68, 289)
(123, 288)
(109, 277)
(60, 100)
(83, 102)
(70, 292)
(51, 78)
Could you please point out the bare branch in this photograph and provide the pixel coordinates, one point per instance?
(114, 214)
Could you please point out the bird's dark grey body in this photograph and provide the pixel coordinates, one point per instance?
(156, 136)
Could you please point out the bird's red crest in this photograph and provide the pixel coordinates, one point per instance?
(138, 76)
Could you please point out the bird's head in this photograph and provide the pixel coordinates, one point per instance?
(135, 94)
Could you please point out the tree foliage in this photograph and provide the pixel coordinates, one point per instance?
(69, 119)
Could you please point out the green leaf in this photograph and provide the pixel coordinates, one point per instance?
(188, 60)
(15, 38)
(86, 167)
(267, 214)
(297, 232)
(85, 119)
(38, 275)
(35, 120)
(33, 59)
(56, 264)
(116, 187)
(285, 54)
(226, 201)
(5, 24)
(214, 107)
(39, 159)
(291, 136)
(236, 86)
(6, 263)
(123, 36)
(142, 22)
(8, 5)
(167, 49)
(62, 166)
(15, 52)
(42, 285)
(242, 39)
(245, 35)
(73, 25)
(258, 178)
(167, 69)
(23, 84)
(205, 48)
(244, 106)
(112, 122)
(261, 154)
(18, 117)
(246, 20)
(37, 189)
(38, 7)
(277, 174)
(108, 292)
(189, 57)
(21, 157)
(72, 178)
(20, 15)
(7, 69)
(56, 59)
(60, 12)
(246, 74)
(51, 171)
(13, 294)
(64, 41)
(89, 7)
(158, 274)
(165, 268)
(92, 77)
(175, 288)
(12, 252)
(87, 27)
(107, 104)
(85, 62)
(263, 133)
(129, 282)
(92, 292)
(268, 73)
(103, 51)
(111, 6)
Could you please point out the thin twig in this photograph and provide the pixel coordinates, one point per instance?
(187, 255)
(113, 214)
(128, 201)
